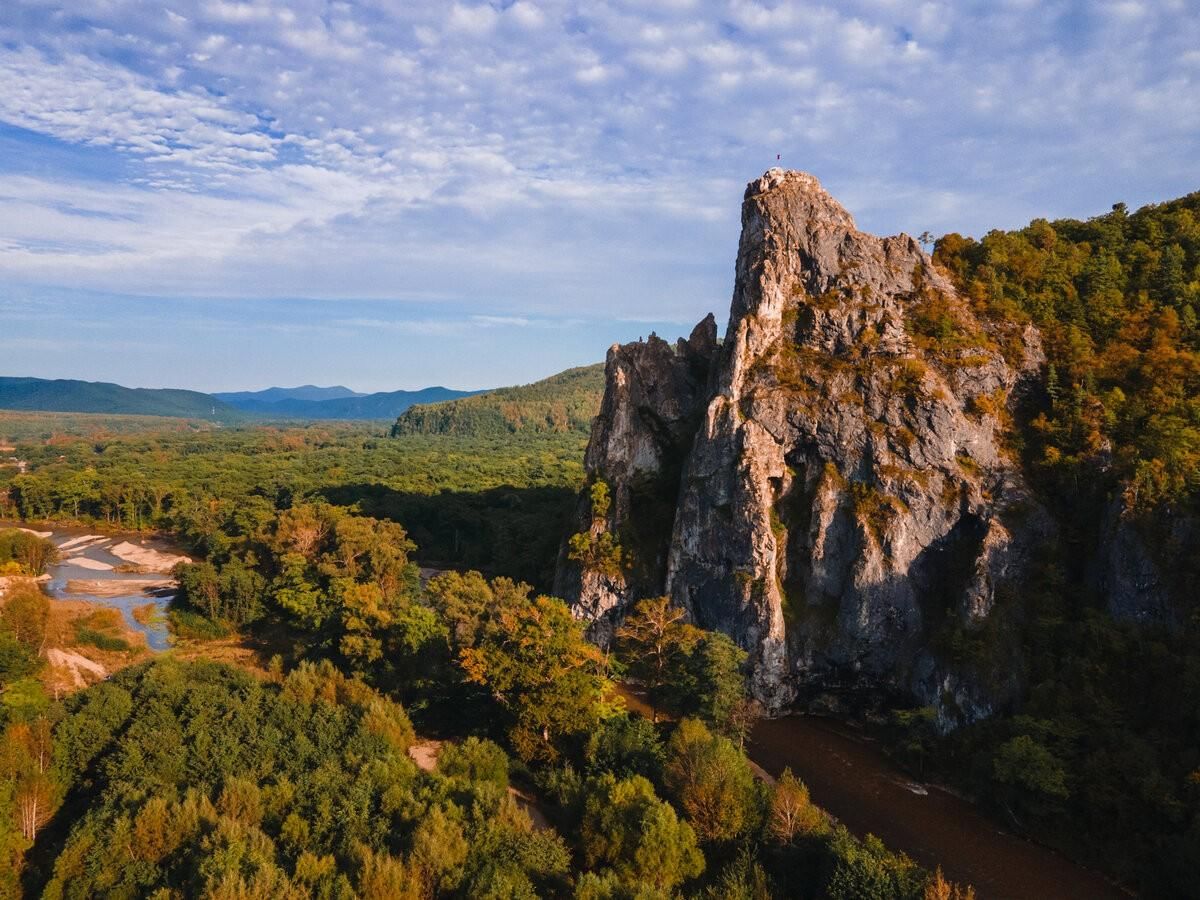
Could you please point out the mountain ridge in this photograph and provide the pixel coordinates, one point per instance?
(379, 405)
(73, 395)
(301, 392)
(68, 395)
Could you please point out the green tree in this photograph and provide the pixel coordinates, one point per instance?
(867, 871)
(597, 549)
(440, 848)
(1035, 779)
(532, 657)
(625, 746)
(792, 813)
(296, 592)
(475, 760)
(654, 641)
(630, 830)
(718, 687)
(29, 552)
(25, 615)
(711, 781)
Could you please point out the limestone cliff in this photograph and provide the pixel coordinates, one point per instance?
(654, 396)
(834, 472)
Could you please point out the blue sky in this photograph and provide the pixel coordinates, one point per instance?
(222, 195)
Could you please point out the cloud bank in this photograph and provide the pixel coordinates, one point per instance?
(541, 158)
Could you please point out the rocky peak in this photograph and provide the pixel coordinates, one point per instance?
(844, 496)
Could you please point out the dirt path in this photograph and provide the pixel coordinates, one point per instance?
(425, 754)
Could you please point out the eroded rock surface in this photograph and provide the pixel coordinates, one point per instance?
(839, 490)
(655, 393)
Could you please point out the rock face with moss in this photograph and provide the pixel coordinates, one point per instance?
(845, 504)
(654, 397)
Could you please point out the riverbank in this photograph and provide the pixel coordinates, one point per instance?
(84, 642)
(852, 779)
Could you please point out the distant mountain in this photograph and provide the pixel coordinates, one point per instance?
(564, 402)
(385, 405)
(65, 395)
(248, 399)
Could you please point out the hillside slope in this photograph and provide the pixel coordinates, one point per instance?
(66, 395)
(564, 402)
(892, 492)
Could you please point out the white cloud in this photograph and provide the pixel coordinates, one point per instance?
(590, 153)
(473, 19)
(526, 14)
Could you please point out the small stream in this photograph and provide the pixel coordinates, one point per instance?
(87, 571)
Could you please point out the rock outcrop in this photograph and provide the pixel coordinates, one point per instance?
(654, 397)
(833, 473)
(1145, 565)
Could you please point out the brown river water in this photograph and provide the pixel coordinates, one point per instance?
(851, 778)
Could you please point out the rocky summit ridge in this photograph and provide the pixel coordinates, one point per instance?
(829, 484)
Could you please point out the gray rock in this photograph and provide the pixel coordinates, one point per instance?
(835, 471)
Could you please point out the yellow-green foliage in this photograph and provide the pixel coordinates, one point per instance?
(908, 377)
(562, 403)
(992, 404)
(1116, 299)
(875, 509)
(597, 549)
(941, 326)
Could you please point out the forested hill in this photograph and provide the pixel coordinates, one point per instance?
(564, 402)
(1116, 299)
(66, 395)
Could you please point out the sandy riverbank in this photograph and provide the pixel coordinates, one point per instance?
(85, 562)
(147, 558)
(118, 587)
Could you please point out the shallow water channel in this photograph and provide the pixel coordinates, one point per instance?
(87, 570)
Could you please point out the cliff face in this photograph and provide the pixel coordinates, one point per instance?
(835, 474)
(654, 396)
(1145, 567)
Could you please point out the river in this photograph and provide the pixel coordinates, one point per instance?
(88, 570)
(852, 779)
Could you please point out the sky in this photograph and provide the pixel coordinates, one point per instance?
(388, 194)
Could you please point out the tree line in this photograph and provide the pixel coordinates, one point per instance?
(195, 779)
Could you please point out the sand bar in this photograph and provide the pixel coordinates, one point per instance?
(81, 541)
(147, 558)
(75, 664)
(85, 563)
(117, 587)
